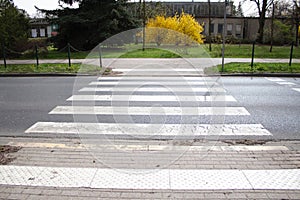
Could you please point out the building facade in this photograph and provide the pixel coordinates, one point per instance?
(244, 28)
(41, 28)
(199, 9)
(240, 27)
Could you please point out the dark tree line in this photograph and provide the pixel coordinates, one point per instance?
(14, 24)
(91, 23)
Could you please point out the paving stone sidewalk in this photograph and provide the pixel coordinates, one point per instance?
(139, 154)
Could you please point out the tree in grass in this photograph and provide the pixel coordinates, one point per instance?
(179, 29)
(14, 24)
(262, 7)
(92, 22)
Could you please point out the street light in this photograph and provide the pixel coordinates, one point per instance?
(224, 34)
(144, 23)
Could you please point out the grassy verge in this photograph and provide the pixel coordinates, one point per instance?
(152, 51)
(245, 51)
(49, 68)
(92, 69)
(53, 54)
(257, 68)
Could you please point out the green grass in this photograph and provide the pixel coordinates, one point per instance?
(245, 51)
(49, 68)
(64, 55)
(257, 68)
(152, 51)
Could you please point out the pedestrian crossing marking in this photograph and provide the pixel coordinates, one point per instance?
(157, 70)
(296, 89)
(149, 98)
(274, 79)
(285, 83)
(149, 129)
(160, 83)
(161, 78)
(147, 147)
(134, 110)
(151, 89)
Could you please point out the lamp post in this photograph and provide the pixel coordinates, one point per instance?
(144, 23)
(209, 25)
(224, 34)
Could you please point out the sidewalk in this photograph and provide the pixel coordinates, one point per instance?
(158, 60)
(53, 168)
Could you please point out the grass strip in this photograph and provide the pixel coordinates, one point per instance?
(50, 68)
(257, 68)
(152, 51)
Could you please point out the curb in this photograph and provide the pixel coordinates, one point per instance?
(262, 74)
(43, 74)
(221, 74)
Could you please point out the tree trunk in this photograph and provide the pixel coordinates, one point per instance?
(297, 33)
(262, 18)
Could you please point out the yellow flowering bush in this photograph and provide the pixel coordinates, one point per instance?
(179, 29)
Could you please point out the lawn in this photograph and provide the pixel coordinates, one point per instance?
(245, 51)
(92, 69)
(257, 68)
(152, 51)
(49, 68)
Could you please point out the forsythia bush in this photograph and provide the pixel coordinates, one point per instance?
(182, 29)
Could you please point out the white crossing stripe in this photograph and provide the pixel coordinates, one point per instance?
(108, 110)
(146, 147)
(161, 78)
(151, 89)
(175, 179)
(149, 129)
(296, 89)
(148, 98)
(158, 70)
(285, 83)
(161, 83)
(274, 79)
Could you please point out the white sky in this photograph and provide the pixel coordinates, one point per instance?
(249, 8)
(28, 5)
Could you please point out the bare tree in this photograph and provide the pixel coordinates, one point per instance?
(297, 19)
(262, 6)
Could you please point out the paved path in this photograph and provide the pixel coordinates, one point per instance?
(140, 61)
(152, 160)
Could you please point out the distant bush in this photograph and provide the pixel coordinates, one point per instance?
(26, 48)
(282, 33)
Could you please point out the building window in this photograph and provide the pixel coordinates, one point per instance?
(42, 32)
(220, 28)
(33, 33)
(229, 29)
(49, 30)
(212, 28)
(238, 30)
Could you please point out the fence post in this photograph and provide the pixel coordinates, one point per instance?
(291, 54)
(252, 57)
(69, 55)
(100, 56)
(4, 55)
(37, 56)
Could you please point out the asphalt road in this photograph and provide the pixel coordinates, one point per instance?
(27, 100)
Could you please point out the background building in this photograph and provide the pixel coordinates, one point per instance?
(40, 27)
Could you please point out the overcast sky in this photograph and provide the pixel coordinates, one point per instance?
(28, 5)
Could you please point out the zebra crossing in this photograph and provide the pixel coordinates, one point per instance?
(197, 97)
(204, 99)
(283, 82)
